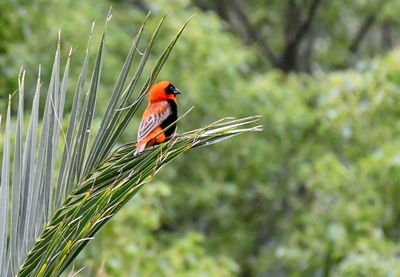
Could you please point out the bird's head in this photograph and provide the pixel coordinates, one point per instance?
(162, 91)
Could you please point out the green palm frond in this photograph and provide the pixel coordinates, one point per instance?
(55, 211)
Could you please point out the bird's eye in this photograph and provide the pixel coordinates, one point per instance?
(170, 89)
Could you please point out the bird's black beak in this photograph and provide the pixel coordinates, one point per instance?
(177, 91)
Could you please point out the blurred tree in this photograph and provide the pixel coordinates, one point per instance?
(291, 34)
(11, 31)
(297, 20)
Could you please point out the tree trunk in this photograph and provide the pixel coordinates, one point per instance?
(388, 40)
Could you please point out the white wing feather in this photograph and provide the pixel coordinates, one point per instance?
(153, 121)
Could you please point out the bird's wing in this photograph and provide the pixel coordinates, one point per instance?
(154, 115)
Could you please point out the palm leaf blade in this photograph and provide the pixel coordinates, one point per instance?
(42, 176)
(18, 180)
(66, 168)
(4, 201)
(87, 115)
(97, 150)
(60, 112)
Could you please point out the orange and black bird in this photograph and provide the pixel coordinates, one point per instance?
(161, 112)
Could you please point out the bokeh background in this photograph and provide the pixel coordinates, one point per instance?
(317, 193)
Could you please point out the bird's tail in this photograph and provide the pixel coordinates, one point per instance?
(140, 147)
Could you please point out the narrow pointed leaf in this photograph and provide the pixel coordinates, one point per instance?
(44, 159)
(59, 117)
(97, 150)
(87, 118)
(17, 178)
(66, 168)
(4, 188)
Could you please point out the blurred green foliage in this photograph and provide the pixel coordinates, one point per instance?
(315, 194)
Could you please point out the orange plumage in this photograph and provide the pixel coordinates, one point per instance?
(161, 112)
